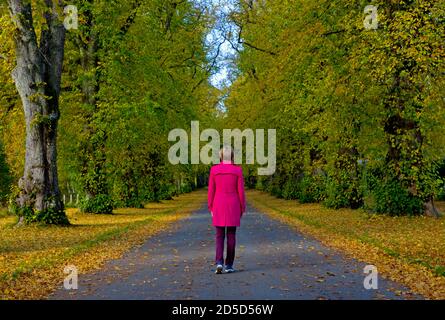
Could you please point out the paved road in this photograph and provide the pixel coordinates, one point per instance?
(273, 262)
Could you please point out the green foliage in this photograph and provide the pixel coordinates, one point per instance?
(343, 190)
(129, 201)
(49, 216)
(390, 196)
(137, 82)
(339, 94)
(100, 204)
(274, 185)
(13, 208)
(441, 185)
(336, 196)
(311, 189)
(5, 177)
(29, 215)
(441, 194)
(290, 190)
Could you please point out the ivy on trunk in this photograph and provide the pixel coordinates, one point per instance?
(37, 77)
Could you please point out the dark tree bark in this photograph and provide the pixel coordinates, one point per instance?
(37, 77)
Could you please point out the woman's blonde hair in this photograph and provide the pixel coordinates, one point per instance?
(226, 153)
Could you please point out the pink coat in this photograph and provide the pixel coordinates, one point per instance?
(226, 198)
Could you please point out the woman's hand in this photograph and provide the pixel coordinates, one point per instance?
(211, 212)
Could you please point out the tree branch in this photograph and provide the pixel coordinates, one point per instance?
(130, 19)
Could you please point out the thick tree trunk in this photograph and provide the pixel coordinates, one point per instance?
(37, 77)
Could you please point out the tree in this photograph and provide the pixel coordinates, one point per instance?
(408, 54)
(37, 77)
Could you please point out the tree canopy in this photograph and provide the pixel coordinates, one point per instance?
(359, 111)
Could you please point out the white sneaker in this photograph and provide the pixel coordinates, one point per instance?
(219, 269)
(229, 269)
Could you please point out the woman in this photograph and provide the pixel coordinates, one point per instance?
(227, 204)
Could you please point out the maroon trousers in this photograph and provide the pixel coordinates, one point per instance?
(221, 233)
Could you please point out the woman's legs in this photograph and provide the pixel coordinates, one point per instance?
(231, 243)
(220, 235)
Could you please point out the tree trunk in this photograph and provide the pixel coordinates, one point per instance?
(92, 149)
(431, 210)
(37, 77)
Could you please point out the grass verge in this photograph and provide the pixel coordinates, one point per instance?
(33, 258)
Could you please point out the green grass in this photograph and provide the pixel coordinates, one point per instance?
(3, 212)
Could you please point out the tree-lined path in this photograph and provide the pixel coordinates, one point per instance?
(274, 261)
(117, 104)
